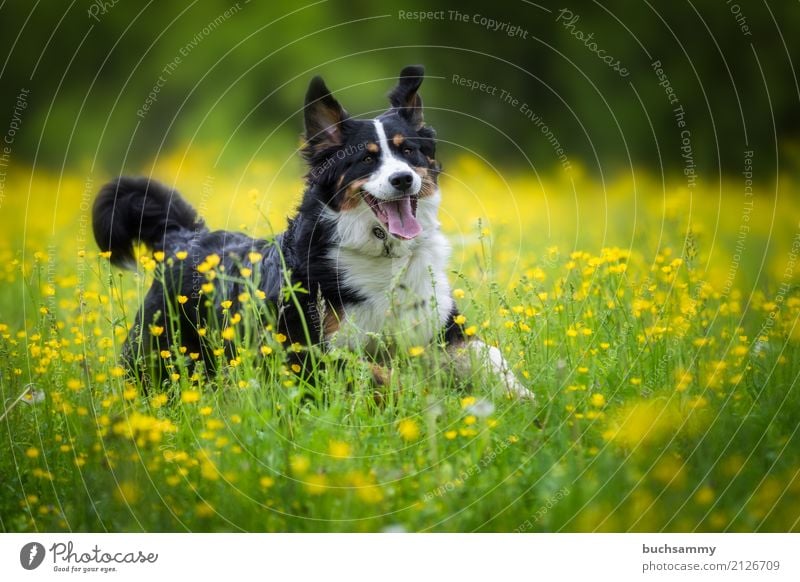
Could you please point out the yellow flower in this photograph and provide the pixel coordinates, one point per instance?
(316, 484)
(408, 429)
(458, 293)
(182, 299)
(460, 319)
(266, 482)
(205, 411)
(158, 256)
(104, 255)
(299, 464)
(201, 331)
(471, 330)
(468, 401)
(598, 400)
(704, 495)
(204, 508)
(32, 453)
(226, 304)
(416, 351)
(280, 338)
(159, 400)
(339, 449)
(165, 354)
(190, 396)
(228, 333)
(254, 257)
(450, 434)
(245, 272)
(181, 255)
(207, 288)
(266, 350)
(156, 330)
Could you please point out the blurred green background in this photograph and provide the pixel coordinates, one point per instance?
(238, 87)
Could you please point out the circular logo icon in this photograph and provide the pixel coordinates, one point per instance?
(31, 555)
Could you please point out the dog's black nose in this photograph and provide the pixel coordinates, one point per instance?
(401, 180)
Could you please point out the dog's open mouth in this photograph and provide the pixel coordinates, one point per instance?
(399, 215)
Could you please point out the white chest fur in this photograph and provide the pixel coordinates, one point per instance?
(404, 283)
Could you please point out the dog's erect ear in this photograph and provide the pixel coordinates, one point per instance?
(323, 116)
(405, 98)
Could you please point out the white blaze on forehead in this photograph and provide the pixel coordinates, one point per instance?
(381, 131)
(378, 184)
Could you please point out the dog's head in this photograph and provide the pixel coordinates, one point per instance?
(379, 169)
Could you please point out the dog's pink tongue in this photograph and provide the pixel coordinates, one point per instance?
(402, 221)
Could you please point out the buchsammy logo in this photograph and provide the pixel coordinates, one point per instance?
(31, 555)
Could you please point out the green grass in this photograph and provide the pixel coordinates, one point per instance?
(650, 414)
(664, 400)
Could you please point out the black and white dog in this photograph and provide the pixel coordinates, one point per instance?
(365, 243)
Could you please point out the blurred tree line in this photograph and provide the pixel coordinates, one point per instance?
(116, 83)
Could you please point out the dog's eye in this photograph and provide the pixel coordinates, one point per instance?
(368, 159)
(407, 151)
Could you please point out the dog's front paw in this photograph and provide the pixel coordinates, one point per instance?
(515, 389)
(498, 365)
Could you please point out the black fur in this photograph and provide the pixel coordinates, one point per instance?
(131, 210)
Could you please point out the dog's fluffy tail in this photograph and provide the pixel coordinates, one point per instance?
(132, 210)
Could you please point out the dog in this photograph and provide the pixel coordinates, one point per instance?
(365, 245)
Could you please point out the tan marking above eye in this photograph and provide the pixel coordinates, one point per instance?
(373, 148)
(398, 140)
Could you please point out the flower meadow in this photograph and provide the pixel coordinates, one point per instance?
(657, 326)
